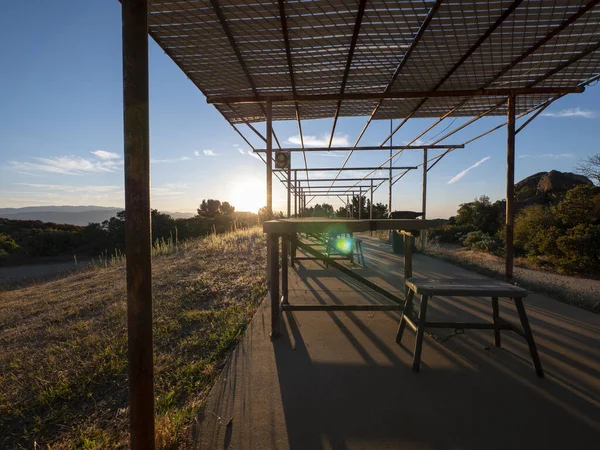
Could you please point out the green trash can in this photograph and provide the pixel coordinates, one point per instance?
(396, 238)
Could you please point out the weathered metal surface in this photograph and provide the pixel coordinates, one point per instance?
(137, 223)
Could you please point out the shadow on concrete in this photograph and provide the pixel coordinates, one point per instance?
(339, 381)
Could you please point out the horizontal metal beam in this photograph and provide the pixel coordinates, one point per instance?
(333, 169)
(343, 179)
(491, 92)
(369, 148)
(331, 194)
(337, 186)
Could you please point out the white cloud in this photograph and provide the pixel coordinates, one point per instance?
(254, 155)
(196, 153)
(458, 176)
(331, 155)
(323, 141)
(169, 160)
(68, 165)
(209, 153)
(549, 155)
(105, 155)
(573, 112)
(240, 150)
(73, 189)
(416, 143)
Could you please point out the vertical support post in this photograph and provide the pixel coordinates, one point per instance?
(285, 246)
(360, 203)
(137, 223)
(408, 248)
(296, 193)
(269, 114)
(347, 206)
(390, 173)
(510, 186)
(371, 203)
(424, 199)
(273, 277)
(289, 191)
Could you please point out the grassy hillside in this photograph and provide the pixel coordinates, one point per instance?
(63, 364)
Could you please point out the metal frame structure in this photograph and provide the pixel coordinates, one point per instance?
(273, 78)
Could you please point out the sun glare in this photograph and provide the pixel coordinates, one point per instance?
(247, 195)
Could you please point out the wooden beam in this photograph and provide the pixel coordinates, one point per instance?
(510, 187)
(138, 240)
(309, 98)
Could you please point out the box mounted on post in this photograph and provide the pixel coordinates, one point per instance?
(282, 159)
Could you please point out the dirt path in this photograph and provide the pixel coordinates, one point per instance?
(582, 292)
(26, 273)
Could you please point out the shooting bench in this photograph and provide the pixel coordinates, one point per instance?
(287, 230)
(427, 288)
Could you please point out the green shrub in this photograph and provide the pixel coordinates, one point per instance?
(478, 240)
(7, 244)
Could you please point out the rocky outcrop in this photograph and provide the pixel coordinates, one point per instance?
(547, 187)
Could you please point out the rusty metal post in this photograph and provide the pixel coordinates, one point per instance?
(510, 186)
(424, 199)
(138, 239)
(347, 206)
(289, 192)
(360, 203)
(390, 174)
(371, 204)
(296, 194)
(269, 114)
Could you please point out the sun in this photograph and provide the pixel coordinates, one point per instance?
(247, 195)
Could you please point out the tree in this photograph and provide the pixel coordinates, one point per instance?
(227, 209)
(210, 208)
(319, 210)
(480, 214)
(590, 167)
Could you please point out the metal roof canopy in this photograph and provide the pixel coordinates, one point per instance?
(366, 52)
(294, 60)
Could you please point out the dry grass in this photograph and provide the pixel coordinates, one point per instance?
(63, 365)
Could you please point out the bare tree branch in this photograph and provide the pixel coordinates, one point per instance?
(590, 167)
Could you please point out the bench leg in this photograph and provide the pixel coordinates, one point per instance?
(495, 317)
(529, 337)
(405, 312)
(420, 331)
(273, 280)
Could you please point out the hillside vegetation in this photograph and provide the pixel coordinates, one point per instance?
(27, 241)
(557, 224)
(63, 344)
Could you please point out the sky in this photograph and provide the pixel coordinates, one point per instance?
(61, 129)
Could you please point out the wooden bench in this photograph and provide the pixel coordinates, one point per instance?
(428, 288)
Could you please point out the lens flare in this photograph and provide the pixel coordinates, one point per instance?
(344, 245)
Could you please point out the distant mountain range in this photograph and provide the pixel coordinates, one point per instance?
(73, 215)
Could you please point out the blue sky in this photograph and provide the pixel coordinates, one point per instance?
(61, 131)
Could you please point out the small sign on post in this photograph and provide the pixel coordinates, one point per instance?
(282, 159)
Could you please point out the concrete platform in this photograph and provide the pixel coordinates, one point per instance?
(339, 381)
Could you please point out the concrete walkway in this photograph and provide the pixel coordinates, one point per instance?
(339, 380)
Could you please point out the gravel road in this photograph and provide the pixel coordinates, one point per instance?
(583, 292)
